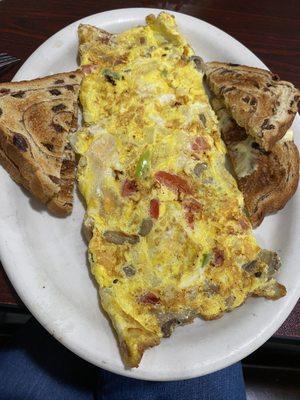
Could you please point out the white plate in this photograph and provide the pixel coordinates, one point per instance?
(45, 257)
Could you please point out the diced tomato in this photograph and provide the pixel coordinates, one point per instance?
(129, 187)
(149, 298)
(154, 208)
(173, 182)
(192, 207)
(218, 256)
(190, 217)
(200, 144)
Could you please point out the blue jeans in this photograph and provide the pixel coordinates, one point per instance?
(34, 366)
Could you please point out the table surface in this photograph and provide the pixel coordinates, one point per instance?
(270, 28)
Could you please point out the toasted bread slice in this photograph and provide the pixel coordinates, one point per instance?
(266, 179)
(257, 100)
(90, 39)
(35, 120)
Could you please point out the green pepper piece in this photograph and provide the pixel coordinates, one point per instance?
(111, 76)
(246, 212)
(206, 259)
(143, 164)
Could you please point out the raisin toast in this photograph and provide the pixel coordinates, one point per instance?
(258, 100)
(267, 179)
(35, 120)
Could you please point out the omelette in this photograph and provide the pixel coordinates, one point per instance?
(169, 238)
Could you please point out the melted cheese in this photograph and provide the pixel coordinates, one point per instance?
(244, 157)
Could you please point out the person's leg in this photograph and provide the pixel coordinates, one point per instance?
(34, 366)
(227, 384)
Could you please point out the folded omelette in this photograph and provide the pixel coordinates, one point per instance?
(169, 239)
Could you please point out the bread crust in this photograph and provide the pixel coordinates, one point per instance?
(258, 100)
(275, 176)
(273, 183)
(35, 120)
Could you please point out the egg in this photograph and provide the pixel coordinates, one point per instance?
(169, 236)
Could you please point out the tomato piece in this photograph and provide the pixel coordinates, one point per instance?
(154, 208)
(190, 217)
(149, 298)
(200, 144)
(173, 182)
(129, 187)
(192, 207)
